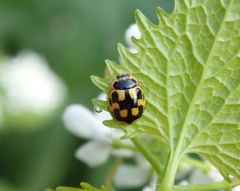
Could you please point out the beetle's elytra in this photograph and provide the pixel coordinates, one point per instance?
(126, 99)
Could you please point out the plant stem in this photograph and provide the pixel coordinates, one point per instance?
(216, 186)
(236, 184)
(146, 153)
(204, 166)
(166, 181)
(119, 145)
(110, 175)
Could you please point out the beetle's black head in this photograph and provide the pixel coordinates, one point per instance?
(122, 76)
(124, 82)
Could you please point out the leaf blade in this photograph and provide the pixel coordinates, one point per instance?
(189, 68)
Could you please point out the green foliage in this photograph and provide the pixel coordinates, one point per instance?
(85, 187)
(88, 187)
(75, 42)
(189, 68)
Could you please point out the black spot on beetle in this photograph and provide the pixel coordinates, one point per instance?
(114, 97)
(128, 103)
(139, 93)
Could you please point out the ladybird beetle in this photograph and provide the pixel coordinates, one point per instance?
(126, 99)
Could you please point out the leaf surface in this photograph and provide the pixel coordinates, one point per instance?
(85, 187)
(189, 68)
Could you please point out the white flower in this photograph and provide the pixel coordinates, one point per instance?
(29, 85)
(215, 175)
(199, 177)
(82, 122)
(152, 185)
(237, 188)
(132, 31)
(131, 176)
(148, 188)
(87, 124)
(184, 169)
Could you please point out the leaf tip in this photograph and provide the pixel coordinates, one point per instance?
(143, 23)
(109, 63)
(119, 46)
(93, 100)
(138, 14)
(122, 49)
(101, 83)
(93, 78)
(161, 14)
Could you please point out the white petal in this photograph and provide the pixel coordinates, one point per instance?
(30, 85)
(141, 161)
(132, 49)
(215, 175)
(80, 121)
(103, 132)
(120, 152)
(132, 31)
(152, 185)
(130, 176)
(198, 177)
(107, 133)
(117, 134)
(148, 188)
(184, 182)
(94, 153)
(103, 115)
(236, 188)
(102, 96)
(184, 169)
(123, 153)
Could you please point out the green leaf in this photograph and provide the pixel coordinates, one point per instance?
(85, 187)
(100, 103)
(88, 187)
(189, 68)
(100, 82)
(68, 189)
(62, 188)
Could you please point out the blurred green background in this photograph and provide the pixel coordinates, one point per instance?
(75, 36)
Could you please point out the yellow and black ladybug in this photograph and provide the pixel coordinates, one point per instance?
(126, 99)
